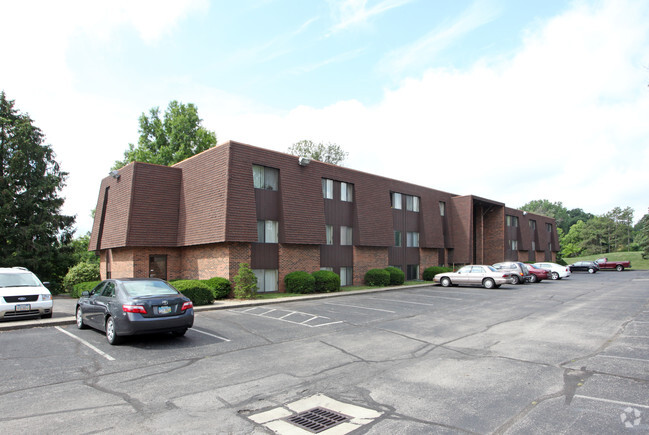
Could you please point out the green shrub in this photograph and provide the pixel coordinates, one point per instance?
(77, 289)
(430, 272)
(221, 287)
(299, 282)
(377, 278)
(326, 281)
(245, 283)
(81, 272)
(196, 290)
(397, 277)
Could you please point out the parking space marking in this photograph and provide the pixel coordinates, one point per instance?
(442, 297)
(624, 357)
(207, 333)
(361, 308)
(638, 321)
(289, 313)
(104, 354)
(616, 402)
(404, 302)
(635, 336)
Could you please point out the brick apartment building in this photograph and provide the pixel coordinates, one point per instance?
(237, 203)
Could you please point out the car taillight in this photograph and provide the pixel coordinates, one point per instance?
(187, 306)
(134, 309)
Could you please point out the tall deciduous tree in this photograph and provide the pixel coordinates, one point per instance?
(177, 137)
(329, 153)
(33, 231)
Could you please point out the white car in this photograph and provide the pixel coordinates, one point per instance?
(23, 295)
(474, 274)
(557, 271)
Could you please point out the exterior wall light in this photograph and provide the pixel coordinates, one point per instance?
(303, 161)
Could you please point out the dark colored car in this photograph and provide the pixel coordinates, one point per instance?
(538, 274)
(584, 266)
(134, 306)
(519, 272)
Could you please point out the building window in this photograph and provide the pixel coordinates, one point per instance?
(346, 192)
(346, 236)
(328, 188)
(267, 232)
(442, 208)
(533, 245)
(346, 276)
(397, 238)
(266, 280)
(412, 272)
(158, 266)
(513, 245)
(396, 200)
(328, 269)
(532, 224)
(412, 203)
(412, 239)
(265, 177)
(330, 234)
(512, 221)
(548, 227)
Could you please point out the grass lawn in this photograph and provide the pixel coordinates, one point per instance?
(637, 262)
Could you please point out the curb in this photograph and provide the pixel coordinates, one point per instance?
(217, 305)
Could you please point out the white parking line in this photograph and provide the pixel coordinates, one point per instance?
(442, 297)
(624, 357)
(617, 402)
(207, 333)
(638, 321)
(105, 355)
(362, 308)
(635, 336)
(404, 302)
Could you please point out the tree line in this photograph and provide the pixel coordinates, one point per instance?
(582, 233)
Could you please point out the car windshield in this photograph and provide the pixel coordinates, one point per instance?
(148, 288)
(491, 268)
(19, 280)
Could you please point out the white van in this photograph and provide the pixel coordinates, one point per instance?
(22, 295)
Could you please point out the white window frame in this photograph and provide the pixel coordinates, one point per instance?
(327, 188)
(397, 201)
(346, 192)
(412, 239)
(346, 276)
(442, 208)
(267, 280)
(329, 230)
(398, 239)
(346, 236)
(267, 231)
(412, 203)
(265, 177)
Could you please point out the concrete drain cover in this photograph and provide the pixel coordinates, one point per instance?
(317, 420)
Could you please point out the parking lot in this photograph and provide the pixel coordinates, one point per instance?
(569, 356)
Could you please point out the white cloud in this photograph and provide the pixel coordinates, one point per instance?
(350, 13)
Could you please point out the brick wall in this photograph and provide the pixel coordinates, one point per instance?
(239, 253)
(427, 258)
(297, 257)
(206, 261)
(366, 258)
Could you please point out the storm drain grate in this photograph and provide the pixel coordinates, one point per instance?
(317, 420)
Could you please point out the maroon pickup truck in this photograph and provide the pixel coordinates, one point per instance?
(617, 265)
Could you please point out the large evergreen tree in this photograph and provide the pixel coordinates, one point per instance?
(33, 232)
(177, 137)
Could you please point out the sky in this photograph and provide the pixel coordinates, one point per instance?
(504, 99)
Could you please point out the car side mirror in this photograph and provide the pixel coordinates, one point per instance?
(86, 293)
(47, 284)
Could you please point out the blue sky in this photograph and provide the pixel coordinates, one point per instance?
(509, 100)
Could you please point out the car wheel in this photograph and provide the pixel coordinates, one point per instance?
(488, 283)
(533, 278)
(619, 268)
(555, 275)
(591, 270)
(446, 282)
(179, 333)
(513, 280)
(79, 315)
(111, 334)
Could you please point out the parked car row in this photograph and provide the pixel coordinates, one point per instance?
(509, 272)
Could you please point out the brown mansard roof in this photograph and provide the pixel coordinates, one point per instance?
(210, 198)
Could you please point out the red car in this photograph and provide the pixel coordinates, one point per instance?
(538, 275)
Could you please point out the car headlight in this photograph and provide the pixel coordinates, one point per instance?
(47, 297)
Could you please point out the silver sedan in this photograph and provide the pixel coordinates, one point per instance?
(474, 274)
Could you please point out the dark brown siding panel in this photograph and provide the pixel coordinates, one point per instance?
(336, 256)
(461, 213)
(118, 208)
(264, 256)
(155, 206)
(204, 196)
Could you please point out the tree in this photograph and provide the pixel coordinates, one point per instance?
(245, 282)
(329, 153)
(554, 210)
(33, 232)
(177, 137)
